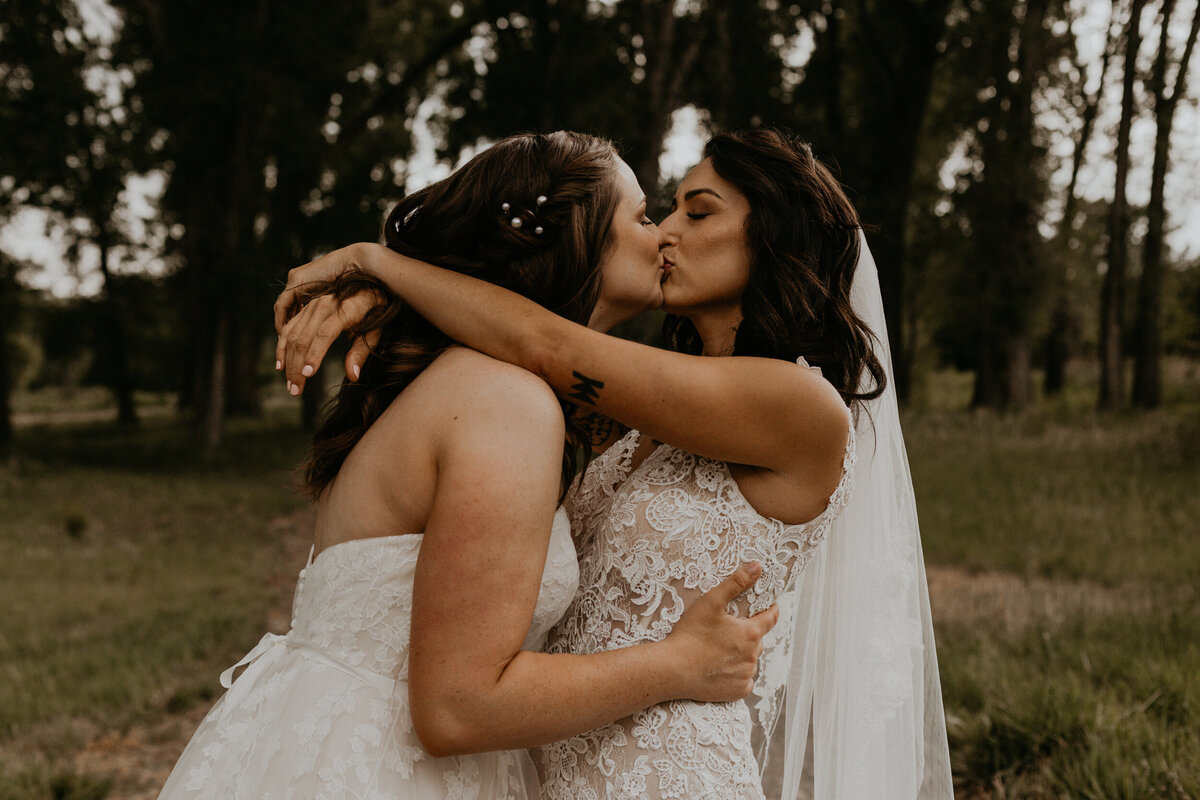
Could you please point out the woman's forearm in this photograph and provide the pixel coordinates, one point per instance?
(478, 314)
(545, 697)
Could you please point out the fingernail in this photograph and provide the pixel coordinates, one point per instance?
(755, 567)
(293, 389)
(356, 371)
(278, 365)
(307, 371)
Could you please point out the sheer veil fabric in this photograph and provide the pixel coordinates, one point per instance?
(863, 677)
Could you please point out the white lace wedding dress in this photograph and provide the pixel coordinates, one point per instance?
(651, 540)
(322, 713)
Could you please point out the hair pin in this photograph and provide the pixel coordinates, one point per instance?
(538, 230)
(505, 207)
(516, 222)
(541, 198)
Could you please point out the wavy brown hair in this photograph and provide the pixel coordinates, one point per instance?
(802, 231)
(562, 188)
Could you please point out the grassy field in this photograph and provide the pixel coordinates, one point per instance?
(1063, 551)
(132, 576)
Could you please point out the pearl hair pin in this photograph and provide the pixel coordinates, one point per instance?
(516, 222)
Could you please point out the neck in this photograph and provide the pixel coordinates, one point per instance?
(717, 329)
(602, 319)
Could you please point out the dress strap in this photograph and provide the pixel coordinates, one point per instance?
(802, 361)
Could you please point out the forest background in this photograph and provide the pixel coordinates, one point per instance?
(1030, 164)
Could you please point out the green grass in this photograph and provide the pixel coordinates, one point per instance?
(1063, 547)
(1069, 641)
(133, 574)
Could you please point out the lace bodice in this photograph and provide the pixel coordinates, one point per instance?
(651, 540)
(323, 711)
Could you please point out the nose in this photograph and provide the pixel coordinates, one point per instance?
(667, 236)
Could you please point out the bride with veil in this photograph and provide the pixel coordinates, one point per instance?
(732, 445)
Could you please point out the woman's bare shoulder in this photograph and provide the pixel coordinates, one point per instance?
(464, 381)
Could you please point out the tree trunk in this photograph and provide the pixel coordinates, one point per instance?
(991, 382)
(121, 384)
(1058, 349)
(1147, 369)
(243, 393)
(1019, 372)
(8, 304)
(1112, 326)
(911, 83)
(211, 418)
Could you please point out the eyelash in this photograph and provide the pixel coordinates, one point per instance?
(647, 221)
(696, 216)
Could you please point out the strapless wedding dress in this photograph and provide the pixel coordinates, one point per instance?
(322, 712)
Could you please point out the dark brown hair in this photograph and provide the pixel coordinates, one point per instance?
(803, 235)
(468, 223)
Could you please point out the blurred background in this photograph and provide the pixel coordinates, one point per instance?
(1032, 169)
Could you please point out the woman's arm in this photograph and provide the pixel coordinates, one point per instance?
(471, 687)
(755, 411)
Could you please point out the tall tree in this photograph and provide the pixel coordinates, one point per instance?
(244, 97)
(1112, 300)
(41, 59)
(1147, 369)
(617, 71)
(1062, 317)
(872, 74)
(108, 144)
(1000, 292)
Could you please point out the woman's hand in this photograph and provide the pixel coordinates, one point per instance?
(307, 329)
(355, 257)
(719, 652)
(305, 338)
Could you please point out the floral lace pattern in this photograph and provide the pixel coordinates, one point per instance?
(323, 711)
(651, 540)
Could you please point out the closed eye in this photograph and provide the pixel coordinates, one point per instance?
(696, 216)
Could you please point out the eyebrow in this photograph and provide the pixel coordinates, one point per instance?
(695, 192)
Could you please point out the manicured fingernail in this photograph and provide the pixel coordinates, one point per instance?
(307, 371)
(278, 365)
(755, 568)
(293, 389)
(356, 371)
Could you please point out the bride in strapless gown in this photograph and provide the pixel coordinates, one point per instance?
(323, 710)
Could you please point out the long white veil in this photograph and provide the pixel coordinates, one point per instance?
(863, 670)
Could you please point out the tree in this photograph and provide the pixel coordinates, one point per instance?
(1112, 301)
(243, 98)
(1062, 319)
(870, 79)
(40, 62)
(1147, 372)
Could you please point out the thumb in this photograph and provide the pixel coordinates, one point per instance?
(741, 580)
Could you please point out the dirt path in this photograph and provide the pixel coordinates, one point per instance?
(138, 761)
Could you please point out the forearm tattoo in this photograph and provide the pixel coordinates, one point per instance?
(586, 391)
